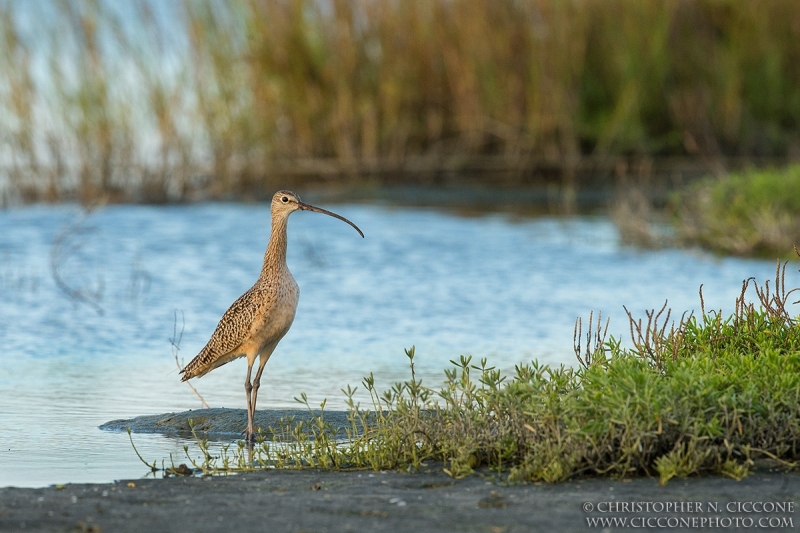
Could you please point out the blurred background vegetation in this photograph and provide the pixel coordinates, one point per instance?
(150, 101)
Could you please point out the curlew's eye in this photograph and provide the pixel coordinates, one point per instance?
(284, 199)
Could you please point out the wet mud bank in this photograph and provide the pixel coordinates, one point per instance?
(219, 423)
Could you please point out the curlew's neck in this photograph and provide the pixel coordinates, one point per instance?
(275, 256)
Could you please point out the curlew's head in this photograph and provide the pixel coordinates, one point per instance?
(285, 202)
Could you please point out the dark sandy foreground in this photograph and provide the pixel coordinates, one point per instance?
(317, 501)
(320, 501)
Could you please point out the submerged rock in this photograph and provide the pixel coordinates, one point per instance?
(221, 422)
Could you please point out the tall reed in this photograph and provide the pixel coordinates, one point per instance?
(203, 98)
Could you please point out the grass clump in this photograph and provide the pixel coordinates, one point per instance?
(756, 212)
(705, 394)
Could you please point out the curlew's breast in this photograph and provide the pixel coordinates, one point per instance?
(276, 314)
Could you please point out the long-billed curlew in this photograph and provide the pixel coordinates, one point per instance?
(259, 319)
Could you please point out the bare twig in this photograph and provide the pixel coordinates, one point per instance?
(175, 341)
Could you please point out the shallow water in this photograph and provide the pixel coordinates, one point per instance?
(492, 287)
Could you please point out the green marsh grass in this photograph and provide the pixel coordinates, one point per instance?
(704, 394)
(235, 99)
(754, 212)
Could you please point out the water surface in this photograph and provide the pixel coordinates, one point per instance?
(508, 290)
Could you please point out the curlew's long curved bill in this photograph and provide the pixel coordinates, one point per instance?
(307, 207)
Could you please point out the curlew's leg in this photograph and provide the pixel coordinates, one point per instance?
(247, 389)
(257, 383)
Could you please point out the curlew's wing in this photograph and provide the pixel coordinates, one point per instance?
(232, 330)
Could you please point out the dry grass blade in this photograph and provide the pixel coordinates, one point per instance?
(175, 342)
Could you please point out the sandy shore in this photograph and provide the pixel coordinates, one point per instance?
(321, 501)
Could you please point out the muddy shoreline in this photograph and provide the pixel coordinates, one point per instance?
(220, 423)
(429, 500)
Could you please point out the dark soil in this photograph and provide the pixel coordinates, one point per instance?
(428, 500)
(322, 501)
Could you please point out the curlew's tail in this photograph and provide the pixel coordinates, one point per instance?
(186, 374)
(205, 362)
(194, 368)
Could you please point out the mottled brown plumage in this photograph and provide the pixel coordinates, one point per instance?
(258, 319)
